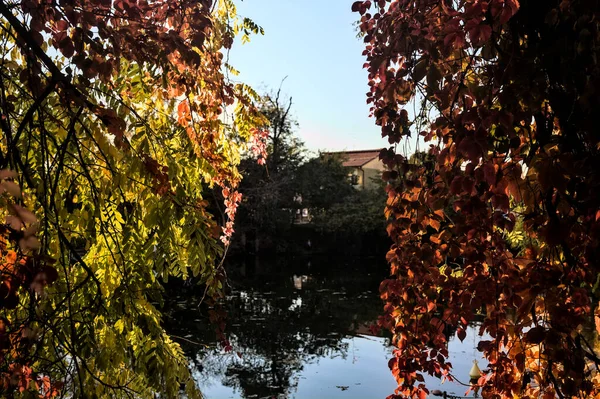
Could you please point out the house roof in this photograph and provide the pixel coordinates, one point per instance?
(357, 158)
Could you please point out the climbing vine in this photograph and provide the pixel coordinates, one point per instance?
(503, 221)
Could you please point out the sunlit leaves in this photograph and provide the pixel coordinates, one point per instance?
(506, 111)
(113, 128)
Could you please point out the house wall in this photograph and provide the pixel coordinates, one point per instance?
(372, 170)
(359, 173)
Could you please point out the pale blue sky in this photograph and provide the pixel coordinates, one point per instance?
(314, 44)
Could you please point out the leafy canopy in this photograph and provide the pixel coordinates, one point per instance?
(509, 93)
(113, 132)
(268, 185)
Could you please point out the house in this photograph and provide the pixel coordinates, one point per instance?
(364, 166)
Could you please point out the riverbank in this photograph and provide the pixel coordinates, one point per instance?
(308, 240)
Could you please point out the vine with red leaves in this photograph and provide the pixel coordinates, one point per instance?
(21, 268)
(504, 222)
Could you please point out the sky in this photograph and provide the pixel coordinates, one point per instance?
(313, 43)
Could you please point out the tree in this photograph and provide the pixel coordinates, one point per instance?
(284, 149)
(512, 86)
(355, 215)
(322, 181)
(337, 207)
(268, 188)
(112, 136)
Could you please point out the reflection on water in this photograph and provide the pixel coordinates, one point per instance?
(298, 330)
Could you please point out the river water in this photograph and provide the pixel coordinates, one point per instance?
(299, 329)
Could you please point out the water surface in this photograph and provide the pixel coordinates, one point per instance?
(299, 329)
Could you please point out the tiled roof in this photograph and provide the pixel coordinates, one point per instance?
(357, 158)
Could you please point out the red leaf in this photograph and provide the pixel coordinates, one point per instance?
(66, 47)
(437, 323)
(469, 391)
(61, 25)
(489, 173)
(183, 113)
(431, 306)
(535, 335)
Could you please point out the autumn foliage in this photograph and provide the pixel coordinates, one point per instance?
(504, 222)
(113, 134)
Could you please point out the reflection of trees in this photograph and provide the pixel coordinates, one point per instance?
(276, 328)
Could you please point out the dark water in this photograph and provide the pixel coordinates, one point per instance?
(299, 329)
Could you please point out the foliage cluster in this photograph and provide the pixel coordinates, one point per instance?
(113, 129)
(509, 90)
(268, 189)
(356, 214)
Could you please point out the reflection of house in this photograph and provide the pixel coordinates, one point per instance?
(300, 280)
(364, 166)
(302, 214)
